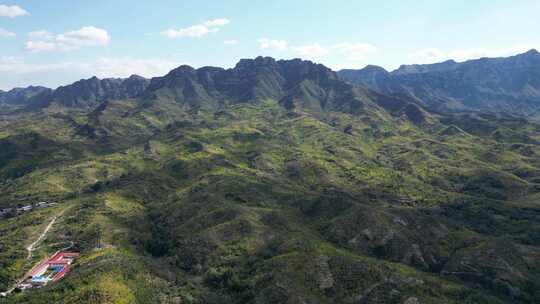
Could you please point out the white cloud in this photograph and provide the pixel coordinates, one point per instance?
(12, 11)
(6, 34)
(40, 46)
(342, 54)
(273, 45)
(17, 66)
(474, 53)
(230, 42)
(101, 67)
(427, 55)
(126, 66)
(433, 55)
(217, 22)
(43, 41)
(197, 31)
(311, 50)
(348, 50)
(86, 36)
(14, 71)
(40, 35)
(354, 50)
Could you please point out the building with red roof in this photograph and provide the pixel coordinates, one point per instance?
(53, 269)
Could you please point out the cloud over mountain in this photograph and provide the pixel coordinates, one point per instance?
(43, 41)
(15, 70)
(432, 55)
(314, 50)
(272, 44)
(198, 30)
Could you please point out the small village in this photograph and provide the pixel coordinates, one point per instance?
(16, 211)
(51, 270)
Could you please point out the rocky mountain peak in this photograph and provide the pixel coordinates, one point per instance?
(257, 62)
(532, 52)
(374, 69)
(20, 96)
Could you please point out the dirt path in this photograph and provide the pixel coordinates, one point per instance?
(31, 248)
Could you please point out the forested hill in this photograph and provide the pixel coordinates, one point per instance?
(272, 182)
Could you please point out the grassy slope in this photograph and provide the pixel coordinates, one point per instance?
(255, 204)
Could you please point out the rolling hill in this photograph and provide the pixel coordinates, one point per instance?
(271, 182)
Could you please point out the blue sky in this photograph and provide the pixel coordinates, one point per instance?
(56, 42)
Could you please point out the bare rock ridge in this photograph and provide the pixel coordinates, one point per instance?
(502, 86)
(294, 83)
(496, 85)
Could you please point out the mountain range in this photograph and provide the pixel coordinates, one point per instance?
(500, 86)
(19, 96)
(509, 86)
(293, 83)
(279, 181)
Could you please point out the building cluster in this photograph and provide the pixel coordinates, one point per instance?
(12, 212)
(51, 270)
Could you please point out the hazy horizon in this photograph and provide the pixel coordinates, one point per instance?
(135, 74)
(42, 45)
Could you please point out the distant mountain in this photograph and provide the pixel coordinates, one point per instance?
(293, 83)
(425, 68)
(85, 93)
(89, 93)
(509, 86)
(495, 85)
(19, 96)
(252, 80)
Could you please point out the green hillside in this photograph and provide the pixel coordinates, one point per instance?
(310, 191)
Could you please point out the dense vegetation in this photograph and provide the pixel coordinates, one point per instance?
(273, 182)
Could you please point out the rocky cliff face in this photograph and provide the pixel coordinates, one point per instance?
(295, 84)
(251, 81)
